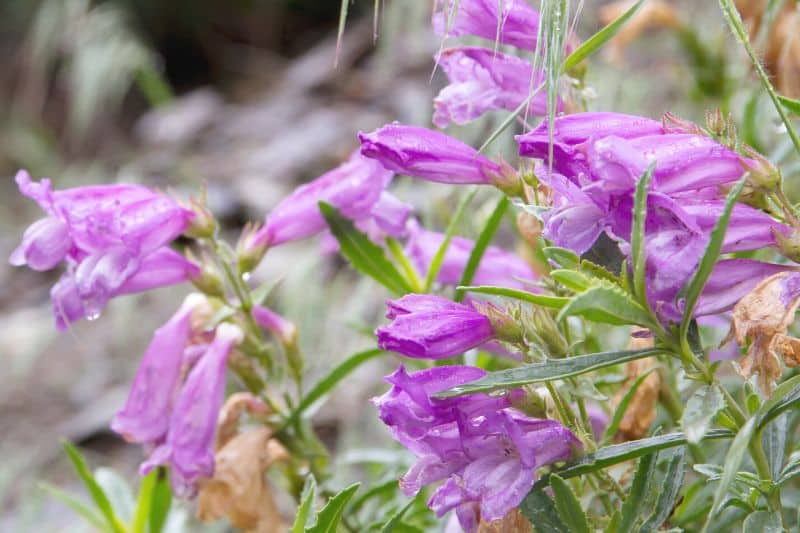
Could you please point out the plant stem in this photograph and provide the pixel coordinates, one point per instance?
(408, 269)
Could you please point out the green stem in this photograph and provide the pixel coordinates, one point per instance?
(764, 472)
(408, 269)
(735, 22)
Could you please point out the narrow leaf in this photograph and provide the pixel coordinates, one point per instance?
(329, 517)
(97, 493)
(323, 386)
(773, 438)
(306, 505)
(710, 256)
(763, 522)
(568, 507)
(700, 410)
(548, 371)
(161, 502)
(143, 504)
(634, 502)
(87, 513)
(538, 508)
(481, 244)
(638, 252)
(438, 258)
(668, 491)
(733, 460)
(593, 43)
(553, 302)
(785, 396)
(571, 279)
(790, 104)
(608, 304)
(564, 257)
(363, 254)
(393, 522)
(622, 407)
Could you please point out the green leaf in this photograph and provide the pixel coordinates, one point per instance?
(538, 508)
(700, 410)
(329, 517)
(161, 501)
(438, 258)
(118, 492)
(618, 453)
(568, 506)
(634, 502)
(784, 397)
(667, 491)
(710, 256)
(543, 300)
(97, 493)
(306, 505)
(773, 438)
(791, 469)
(382, 489)
(484, 239)
(606, 303)
(393, 522)
(790, 104)
(622, 407)
(323, 386)
(143, 502)
(733, 460)
(593, 43)
(571, 279)
(87, 513)
(363, 254)
(763, 522)
(562, 256)
(638, 252)
(548, 371)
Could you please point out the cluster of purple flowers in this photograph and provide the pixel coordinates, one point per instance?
(486, 452)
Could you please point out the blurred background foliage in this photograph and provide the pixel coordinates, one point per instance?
(243, 95)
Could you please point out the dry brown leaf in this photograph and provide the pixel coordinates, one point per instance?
(641, 410)
(238, 489)
(513, 522)
(235, 406)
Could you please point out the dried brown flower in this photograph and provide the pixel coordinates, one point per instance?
(641, 410)
(763, 317)
(513, 522)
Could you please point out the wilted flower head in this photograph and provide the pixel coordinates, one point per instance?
(763, 317)
(427, 154)
(189, 444)
(512, 22)
(486, 452)
(483, 80)
(113, 239)
(498, 267)
(428, 326)
(354, 187)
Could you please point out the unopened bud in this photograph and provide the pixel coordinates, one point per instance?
(504, 326)
(764, 176)
(675, 124)
(508, 180)
(202, 225)
(789, 245)
(208, 281)
(249, 252)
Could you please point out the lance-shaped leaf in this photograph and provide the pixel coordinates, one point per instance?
(539, 509)
(635, 500)
(543, 300)
(607, 303)
(329, 517)
(548, 371)
(305, 510)
(563, 257)
(568, 506)
(666, 491)
(365, 256)
(638, 252)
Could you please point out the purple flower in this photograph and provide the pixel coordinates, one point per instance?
(355, 187)
(486, 452)
(511, 22)
(113, 239)
(146, 414)
(427, 326)
(188, 447)
(483, 80)
(498, 267)
(427, 154)
(731, 280)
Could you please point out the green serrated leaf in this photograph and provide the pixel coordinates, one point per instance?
(98, 495)
(763, 522)
(618, 453)
(596, 41)
(700, 411)
(564, 257)
(710, 256)
(329, 517)
(619, 414)
(326, 384)
(543, 300)
(571, 279)
(484, 239)
(87, 513)
(606, 303)
(634, 501)
(598, 272)
(548, 371)
(363, 254)
(540, 511)
(638, 251)
(306, 505)
(568, 507)
(667, 492)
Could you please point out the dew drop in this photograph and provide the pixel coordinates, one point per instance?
(246, 276)
(92, 317)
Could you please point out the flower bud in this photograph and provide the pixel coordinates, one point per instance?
(764, 176)
(202, 224)
(249, 251)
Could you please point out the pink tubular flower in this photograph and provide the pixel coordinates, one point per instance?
(512, 22)
(428, 326)
(482, 80)
(427, 154)
(188, 446)
(113, 239)
(354, 187)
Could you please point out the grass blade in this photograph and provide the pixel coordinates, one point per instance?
(438, 258)
(481, 245)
